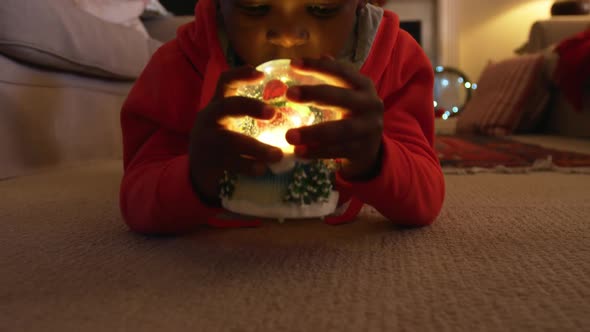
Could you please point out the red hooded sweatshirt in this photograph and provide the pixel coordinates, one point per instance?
(572, 73)
(156, 192)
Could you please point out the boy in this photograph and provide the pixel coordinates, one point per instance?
(175, 151)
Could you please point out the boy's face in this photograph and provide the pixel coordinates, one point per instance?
(263, 30)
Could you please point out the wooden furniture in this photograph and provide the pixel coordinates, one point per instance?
(570, 7)
(180, 7)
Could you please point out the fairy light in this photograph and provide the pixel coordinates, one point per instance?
(444, 84)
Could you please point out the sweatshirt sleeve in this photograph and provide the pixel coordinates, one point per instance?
(409, 189)
(156, 194)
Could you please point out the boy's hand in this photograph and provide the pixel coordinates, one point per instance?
(214, 149)
(357, 137)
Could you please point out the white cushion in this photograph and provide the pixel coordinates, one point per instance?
(59, 35)
(123, 12)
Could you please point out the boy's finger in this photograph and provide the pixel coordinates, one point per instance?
(247, 167)
(234, 145)
(239, 106)
(231, 80)
(234, 163)
(348, 150)
(327, 95)
(333, 132)
(334, 72)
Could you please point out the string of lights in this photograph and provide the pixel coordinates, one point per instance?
(452, 90)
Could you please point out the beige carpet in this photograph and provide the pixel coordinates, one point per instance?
(509, 252)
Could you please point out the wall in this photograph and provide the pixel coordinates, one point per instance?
(493, 29)
(473, 32)
(420, 10)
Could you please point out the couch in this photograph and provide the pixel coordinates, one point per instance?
(508, 252)
(561, 118)
(558, 118)
(64, 75)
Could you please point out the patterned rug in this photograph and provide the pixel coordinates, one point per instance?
(490, 152)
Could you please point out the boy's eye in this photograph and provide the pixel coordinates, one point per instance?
(323, 10)
(254, 9)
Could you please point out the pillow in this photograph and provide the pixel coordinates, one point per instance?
(58, 35)
(123, 12)
(509, 92)
(544, 33)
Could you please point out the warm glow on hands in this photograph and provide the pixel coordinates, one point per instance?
(276, 137)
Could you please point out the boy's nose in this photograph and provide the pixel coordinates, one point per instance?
(287, 38)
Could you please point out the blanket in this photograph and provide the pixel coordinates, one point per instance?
(492, 152)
